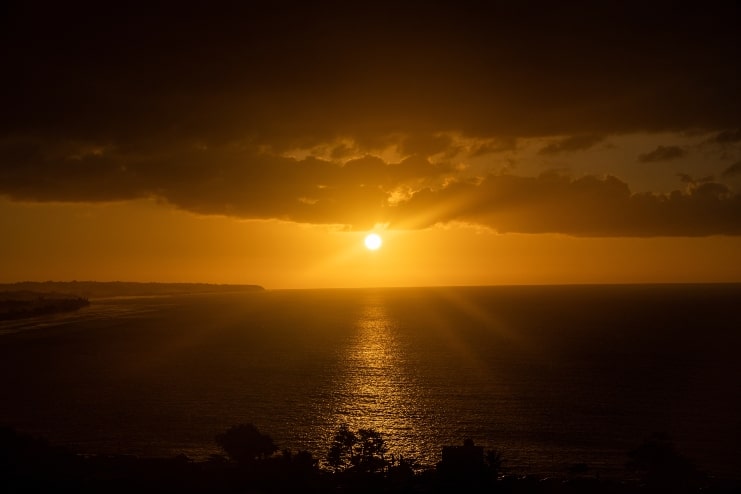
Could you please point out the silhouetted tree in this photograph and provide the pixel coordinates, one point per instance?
(662, 468)
(245, 443)
(340, 455)
(362, 451)
(370, 451)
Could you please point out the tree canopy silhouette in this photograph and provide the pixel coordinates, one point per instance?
(341, 452)
(363, 450)
(244, 443)
(662, 468)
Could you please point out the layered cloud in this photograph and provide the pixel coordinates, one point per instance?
(573, 143)
(411, 193)
(587, 206)
(221, 112)
(662, 153)
(733, 170)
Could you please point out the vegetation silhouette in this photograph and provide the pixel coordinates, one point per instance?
(358, 462)
(244, 443)
(362, 451)
(662, 468)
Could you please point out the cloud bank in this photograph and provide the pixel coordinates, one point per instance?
(662, 153)
(205, 108)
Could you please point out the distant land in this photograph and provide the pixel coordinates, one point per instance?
(32, 298)
(21, 304)
(100, 289)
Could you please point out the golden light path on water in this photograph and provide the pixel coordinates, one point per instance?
(380, 390)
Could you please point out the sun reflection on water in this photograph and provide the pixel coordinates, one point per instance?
(379, 389)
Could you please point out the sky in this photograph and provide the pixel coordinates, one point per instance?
(259, 142)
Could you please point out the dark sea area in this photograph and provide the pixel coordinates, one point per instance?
(552, 376)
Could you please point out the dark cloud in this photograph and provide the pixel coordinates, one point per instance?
(313, 72)
(426, 145)
(412, 193)
(232, 180)
(586, 206)
(573, 143)
(662, 153)
(497, 146)
(693, 181)
(203, 107)
(733, 170)
(728, 137)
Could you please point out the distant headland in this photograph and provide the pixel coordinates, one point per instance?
(23, 303)
(98, 289)
(33, 298)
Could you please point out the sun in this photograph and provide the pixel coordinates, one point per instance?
(373, 241)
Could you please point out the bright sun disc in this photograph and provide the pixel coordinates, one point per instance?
(373, 241)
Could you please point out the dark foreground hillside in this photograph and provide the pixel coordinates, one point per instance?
(357, 462)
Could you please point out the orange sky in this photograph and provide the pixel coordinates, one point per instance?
(146, 241)
(487, 144)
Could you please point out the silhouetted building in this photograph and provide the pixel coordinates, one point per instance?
(462, 464)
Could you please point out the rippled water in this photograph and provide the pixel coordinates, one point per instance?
(551, 375)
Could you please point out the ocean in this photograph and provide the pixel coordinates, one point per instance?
(551, 376)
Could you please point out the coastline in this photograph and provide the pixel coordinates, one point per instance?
(101, 289)
(26, 304)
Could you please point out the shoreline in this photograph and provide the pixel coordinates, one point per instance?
(102, 289)
(26, 304)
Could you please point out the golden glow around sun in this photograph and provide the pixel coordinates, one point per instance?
(373, 241)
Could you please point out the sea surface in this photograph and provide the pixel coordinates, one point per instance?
(551, 376)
